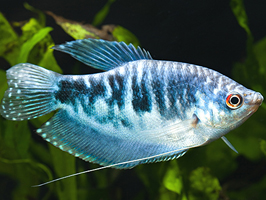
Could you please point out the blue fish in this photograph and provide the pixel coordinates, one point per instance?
(138, 110)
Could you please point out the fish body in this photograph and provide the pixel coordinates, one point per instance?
(139, 110)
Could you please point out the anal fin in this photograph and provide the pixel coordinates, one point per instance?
(80, 140)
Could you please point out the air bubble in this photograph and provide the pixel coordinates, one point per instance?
(44, 135)
(47, 123)
(54, 143)
(61, 147)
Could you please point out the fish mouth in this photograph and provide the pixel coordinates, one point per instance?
(255, 103)
(256, 100)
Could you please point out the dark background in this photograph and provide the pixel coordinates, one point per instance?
(200, 32)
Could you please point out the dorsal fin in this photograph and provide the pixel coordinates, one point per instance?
(102, 54)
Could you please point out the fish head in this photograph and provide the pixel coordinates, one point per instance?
(222, 111)
(239, 104)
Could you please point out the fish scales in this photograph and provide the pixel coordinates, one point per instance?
(139, 110)
(143, 86)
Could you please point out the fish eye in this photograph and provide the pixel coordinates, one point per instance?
(234, 101)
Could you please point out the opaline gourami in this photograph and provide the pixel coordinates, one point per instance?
(138, 110)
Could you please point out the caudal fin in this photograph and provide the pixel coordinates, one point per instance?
(30, 92)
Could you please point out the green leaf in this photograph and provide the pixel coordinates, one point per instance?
(48, 61)
(238, 9)
(122, 34)
(8, 35)
(263, 146)
(41, 53)
(260, 52)
(173, 187)
(203, 185)
(15, 144)
(3, 83)
(247, 72)
(251, 73)
(77, 31)
(28, 161)
(172, 179)
(17, 136)
(154, 183)
(64, 164)
(29, 29)
(245, 138)
(101, 15)
(108, 32)
(41, 15)
(8, 41)
(28, 45)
